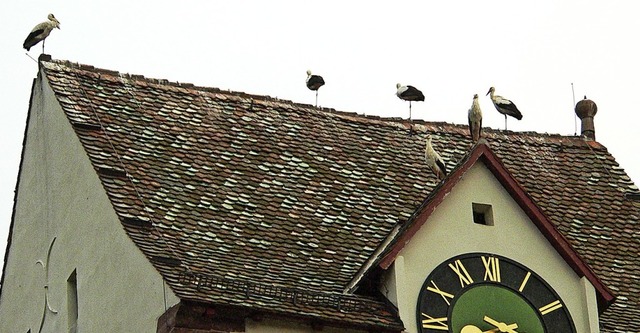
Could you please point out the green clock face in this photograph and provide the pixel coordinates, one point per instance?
(481, 292)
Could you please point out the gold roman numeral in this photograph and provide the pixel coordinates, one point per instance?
(491, 268)
(439, 324)
(458, 268)
(555, 305)
(524, 282)
(443, 294)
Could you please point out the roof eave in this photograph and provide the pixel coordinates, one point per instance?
(193, 314)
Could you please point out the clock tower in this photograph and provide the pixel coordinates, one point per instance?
(480, 256)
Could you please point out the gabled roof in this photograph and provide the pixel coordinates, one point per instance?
(482, 153)
(244, 199)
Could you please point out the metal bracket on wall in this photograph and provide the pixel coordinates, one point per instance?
(45, 267)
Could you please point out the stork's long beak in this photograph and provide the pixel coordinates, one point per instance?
(488, 92)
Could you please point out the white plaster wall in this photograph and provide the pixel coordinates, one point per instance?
(450, 231)
(60, 196)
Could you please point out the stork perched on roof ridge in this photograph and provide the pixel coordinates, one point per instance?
(434, 161)
(475, 120)
(40, 32)
(314, 82)
(409, 93)
(504, 106)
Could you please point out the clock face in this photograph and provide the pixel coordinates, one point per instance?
(480, 292)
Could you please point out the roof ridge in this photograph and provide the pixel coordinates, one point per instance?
(76, 65)
(391, 121)
(166, 82)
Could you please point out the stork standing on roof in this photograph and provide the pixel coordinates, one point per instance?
(434, 161)
(504, 106)
(314, 82)
(475, 119)
(409, 93)
(40, 32)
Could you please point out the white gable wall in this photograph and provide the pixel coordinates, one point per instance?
(60, 196)
(450, 231)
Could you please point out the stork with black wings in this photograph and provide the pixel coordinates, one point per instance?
(504, 106)
(40, 32)
(409, 93)
(314, 82)
(434, 161)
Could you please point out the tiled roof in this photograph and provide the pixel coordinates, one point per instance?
(289, 199)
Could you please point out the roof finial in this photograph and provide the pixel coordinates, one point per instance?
(586, 109)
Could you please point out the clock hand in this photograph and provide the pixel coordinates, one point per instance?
(475, 329)
(470, 329)
(501, 326)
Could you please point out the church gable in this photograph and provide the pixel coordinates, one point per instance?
(67, 249)
(283, 208)
(478, 230)
(482, 213)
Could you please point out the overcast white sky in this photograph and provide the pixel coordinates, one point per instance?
(531, 51)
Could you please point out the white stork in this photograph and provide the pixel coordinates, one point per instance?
(314, 82)
(409, 93)
(504, 106)
(475, 119)
(40, 32)
(434, 161)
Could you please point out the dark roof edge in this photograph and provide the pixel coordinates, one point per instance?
(483, 153)
(239, 313)
(257, 291)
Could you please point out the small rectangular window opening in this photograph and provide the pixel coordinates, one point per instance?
(482, 214)
(72, 302)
